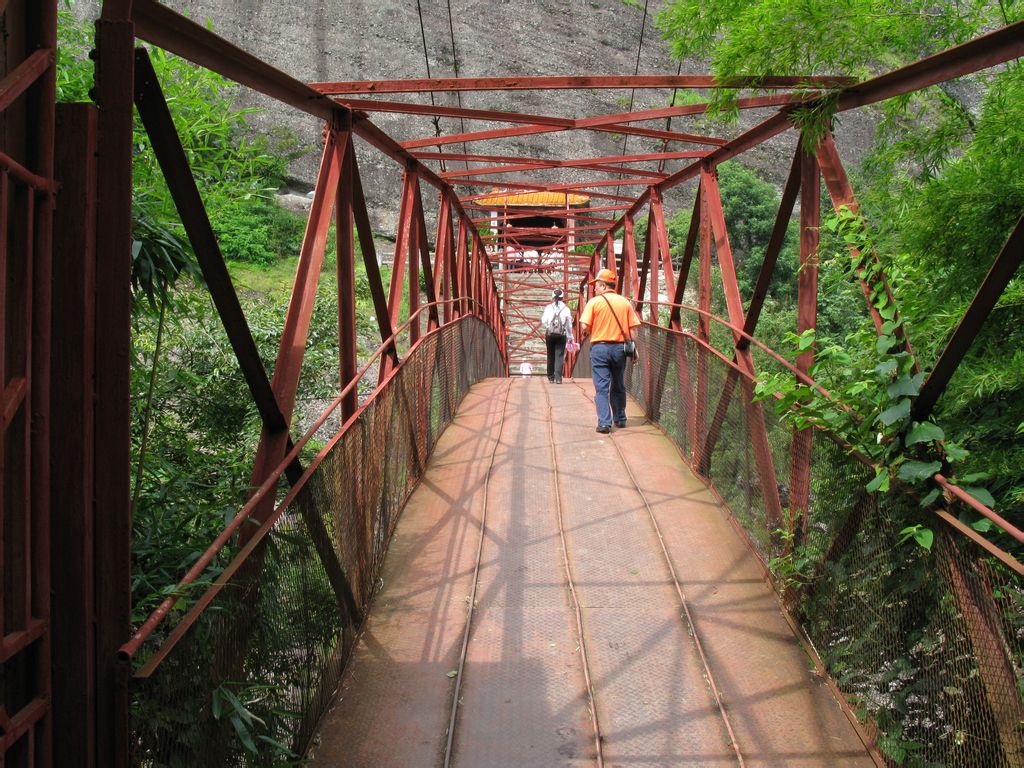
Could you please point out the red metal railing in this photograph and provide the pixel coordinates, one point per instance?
(256, 668)
(925, 646)
(272, 630)
(221, 666)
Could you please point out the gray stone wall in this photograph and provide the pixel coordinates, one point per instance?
(324, 40)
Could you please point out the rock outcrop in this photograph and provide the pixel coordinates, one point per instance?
(327, 40)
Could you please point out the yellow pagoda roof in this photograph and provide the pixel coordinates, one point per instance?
(542, 199)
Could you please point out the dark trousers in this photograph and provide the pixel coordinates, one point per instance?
(556, 356)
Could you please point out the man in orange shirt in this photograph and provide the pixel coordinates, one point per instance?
(609, 319)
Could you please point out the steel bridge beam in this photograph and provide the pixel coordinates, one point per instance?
(999, 275)
(490, 115)
(986, 51)
(547, 83)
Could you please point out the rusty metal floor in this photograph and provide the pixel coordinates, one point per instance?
(606, 572)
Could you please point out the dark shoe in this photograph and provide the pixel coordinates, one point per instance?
(604, 430)
(620, 424)
(550, 379)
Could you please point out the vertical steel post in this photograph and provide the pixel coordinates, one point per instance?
(412, 263)
(115, 65)
(429, 281)
(442, 258)
(807, 313)
(654, 245)
(402, 237)
(72, 430)
(474, 278)
(346, 270)
(629, 278)
(675, 323)
(700, 405)
(504, 241)
(40, 103)
(645, 269)
(661, 255)
(462, 269)
(663, 248)
(288, 367)
(734, 305)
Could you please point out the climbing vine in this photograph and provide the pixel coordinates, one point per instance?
(868, 405)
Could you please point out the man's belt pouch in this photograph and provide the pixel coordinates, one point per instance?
(628, 346)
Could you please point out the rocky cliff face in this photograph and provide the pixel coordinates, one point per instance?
(324, 40)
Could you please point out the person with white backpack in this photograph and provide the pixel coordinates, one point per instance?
(557, 324)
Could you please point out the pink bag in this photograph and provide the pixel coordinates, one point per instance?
(572, 346)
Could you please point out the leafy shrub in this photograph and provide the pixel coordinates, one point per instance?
(228, 160)
(257, 231)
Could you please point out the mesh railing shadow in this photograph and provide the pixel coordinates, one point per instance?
(927, 647)
(249, 680)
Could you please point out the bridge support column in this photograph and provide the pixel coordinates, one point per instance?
(700, 405)
(404, 252)
(72, 446)
(369, 250)
(629, 276)
(807, 314)
(346, 271)
(115, 53)
(443, 258)
(712, 202)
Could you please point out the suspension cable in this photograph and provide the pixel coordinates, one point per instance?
(636, 71)
(455, 66)
(691, 627)
(668, 120)
(426, 60)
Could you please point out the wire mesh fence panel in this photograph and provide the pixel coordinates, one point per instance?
(249, 680)
(927, 645)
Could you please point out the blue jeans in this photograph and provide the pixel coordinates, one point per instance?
(608, 370)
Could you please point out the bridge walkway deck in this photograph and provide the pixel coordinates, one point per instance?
(606, 571)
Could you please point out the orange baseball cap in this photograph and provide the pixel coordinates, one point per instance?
(605, 276)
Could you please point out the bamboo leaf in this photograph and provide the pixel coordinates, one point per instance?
(243, 734)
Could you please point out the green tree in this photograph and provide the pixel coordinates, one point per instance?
(941, 186)
(856, 38)
(750, 205)
(193, 427)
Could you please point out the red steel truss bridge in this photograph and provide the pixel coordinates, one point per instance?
(465, 573)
